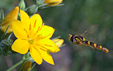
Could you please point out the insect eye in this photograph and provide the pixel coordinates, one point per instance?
(73, 38)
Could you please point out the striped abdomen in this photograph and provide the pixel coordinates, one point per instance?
(88, 43)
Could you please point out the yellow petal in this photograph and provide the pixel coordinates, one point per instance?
(46, 55)
(35, 55)
(53, 2)
(18, 30)
(48, 58)
(36, 23)
(46, 32)
(47, 44)
(7, 21)
(20, 46)
(25, 20)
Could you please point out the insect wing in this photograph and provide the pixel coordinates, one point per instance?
(90, 30)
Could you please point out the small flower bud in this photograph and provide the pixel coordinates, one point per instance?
(7, 21)
(31, 10)
(53, 2)
(58, 42)
(39, 2)
(26, 66)
(1, 14)
(22, 5)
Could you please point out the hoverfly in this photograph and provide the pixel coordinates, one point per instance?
(80, 40)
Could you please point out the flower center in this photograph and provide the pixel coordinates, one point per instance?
(30, 40)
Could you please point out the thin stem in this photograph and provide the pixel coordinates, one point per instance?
(14, 66)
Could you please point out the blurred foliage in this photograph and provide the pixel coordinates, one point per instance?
(75, 17)
(8, 4)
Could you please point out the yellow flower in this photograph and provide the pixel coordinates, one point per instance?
(34, 36)
(7, 21)
(58, 42)
(53, 2)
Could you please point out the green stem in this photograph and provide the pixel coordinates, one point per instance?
(14, 66)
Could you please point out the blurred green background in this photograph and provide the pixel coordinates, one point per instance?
(74, 17)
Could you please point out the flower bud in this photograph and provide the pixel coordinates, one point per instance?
(26, 66)
(31, 9)
(1, 14)
(39, 2)
(7, 21)
(58, 42)
(53, 2)
(22, 5)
